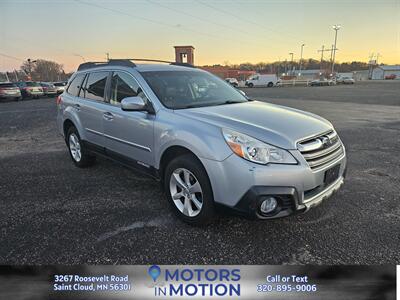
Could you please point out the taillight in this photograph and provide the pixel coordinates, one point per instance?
(58, 100)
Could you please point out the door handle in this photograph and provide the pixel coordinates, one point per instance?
(108, 116)
(77, 107)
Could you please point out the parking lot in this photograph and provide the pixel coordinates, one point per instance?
(54, 213)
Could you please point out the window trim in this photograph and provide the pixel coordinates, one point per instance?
(86, 78)
(69, 85)
(139, 85)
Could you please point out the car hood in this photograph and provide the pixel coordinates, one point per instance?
(274, 124)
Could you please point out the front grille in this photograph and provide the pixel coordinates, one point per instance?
(321, 150)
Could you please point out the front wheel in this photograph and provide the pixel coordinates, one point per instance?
(270, 84)
(250, 85)
(189, 190)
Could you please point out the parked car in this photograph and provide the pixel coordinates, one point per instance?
(390, 77)
(30, 89)
(9, 90)
(322, 82)
(210, 147)
(49, 89)
(345, 80)
(60, 86)
(232, 81)
(268, 80)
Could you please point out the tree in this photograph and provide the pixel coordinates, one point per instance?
(44, 70)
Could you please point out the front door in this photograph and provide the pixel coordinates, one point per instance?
(128, 134)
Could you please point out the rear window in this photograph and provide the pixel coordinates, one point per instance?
(75, 85)
(6, 85)
(32, 84)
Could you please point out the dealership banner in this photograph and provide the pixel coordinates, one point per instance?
(198, 282)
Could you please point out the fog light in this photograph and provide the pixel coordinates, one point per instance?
(268, 205)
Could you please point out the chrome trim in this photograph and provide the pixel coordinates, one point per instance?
(322, 152)
(329, 157)
(94, 131)
(126, 142)
(313, 145)
(316, 199)
(119, 140)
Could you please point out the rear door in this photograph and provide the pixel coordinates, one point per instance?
(91, 106)
(128, 134)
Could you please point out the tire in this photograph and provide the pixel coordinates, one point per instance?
(250, 85)
(18, 98)
(270, 84)
(78, 153)
(200, 209)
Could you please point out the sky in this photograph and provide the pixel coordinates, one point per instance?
(72, 31)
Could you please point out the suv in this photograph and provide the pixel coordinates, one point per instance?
(207, 143)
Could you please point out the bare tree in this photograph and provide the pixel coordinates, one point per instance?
(44, 70)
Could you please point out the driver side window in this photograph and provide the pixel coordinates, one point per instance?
(124, 85)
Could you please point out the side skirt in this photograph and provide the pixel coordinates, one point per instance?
(122, 160)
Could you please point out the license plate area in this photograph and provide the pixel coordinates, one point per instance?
(331, 175)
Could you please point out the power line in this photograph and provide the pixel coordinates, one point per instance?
(247, 21)
(187, 29)
(10, 56)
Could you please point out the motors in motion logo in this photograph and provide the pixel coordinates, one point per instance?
(191, 282)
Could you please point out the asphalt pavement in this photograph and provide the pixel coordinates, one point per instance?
(54, 213)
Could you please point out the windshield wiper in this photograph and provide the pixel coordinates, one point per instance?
(230, 102)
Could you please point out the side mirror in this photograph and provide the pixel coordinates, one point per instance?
(133, 104)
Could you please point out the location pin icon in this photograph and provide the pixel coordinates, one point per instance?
(154, 272)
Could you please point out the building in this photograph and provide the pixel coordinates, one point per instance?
(382, 72)
(226, 72)
(184, 54)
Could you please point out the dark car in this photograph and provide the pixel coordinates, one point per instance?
(9, 90)
(60, 86)
(49, 89)
(30, 89)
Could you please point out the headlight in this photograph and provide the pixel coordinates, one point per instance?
(256, 151)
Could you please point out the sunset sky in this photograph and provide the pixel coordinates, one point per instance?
(221, 31)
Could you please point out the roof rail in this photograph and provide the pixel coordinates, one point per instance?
(163, 61)
(111, 62)
(127, 62)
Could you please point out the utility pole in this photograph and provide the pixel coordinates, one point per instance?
(108, 56)
(301, 56)
(377, 57)
(336, 28)
(291, 62)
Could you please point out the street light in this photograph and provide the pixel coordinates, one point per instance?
(291, 62)
(301, 55)
(336, 28)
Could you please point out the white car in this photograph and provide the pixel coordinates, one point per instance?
(345, 80)
(232, 81)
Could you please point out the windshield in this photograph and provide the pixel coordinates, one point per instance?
(187, 89)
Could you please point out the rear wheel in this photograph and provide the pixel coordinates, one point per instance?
(250, 85)
(189, 190)
(270, 84)
(79, 154)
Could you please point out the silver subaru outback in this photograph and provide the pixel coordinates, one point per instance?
(209, 145)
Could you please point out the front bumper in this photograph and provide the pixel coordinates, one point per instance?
(240, 185)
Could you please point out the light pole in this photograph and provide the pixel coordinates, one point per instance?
(301, 56)
(291, 62)
(336, 28)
